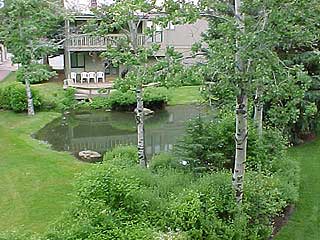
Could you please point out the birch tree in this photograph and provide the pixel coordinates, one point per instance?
(137, 21)
(244, 63)
(25, 25)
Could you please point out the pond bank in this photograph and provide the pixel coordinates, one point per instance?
(36, 181)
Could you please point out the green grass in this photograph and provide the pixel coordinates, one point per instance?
(36, 182)
(305, 222)
(185, 95)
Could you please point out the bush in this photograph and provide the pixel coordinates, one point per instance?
(36, 73)
(68, 101)
(164, 161)
(123, 155)
(208, 144)
(190, 77)
(126, 101)
(130, 202)
(14, 97)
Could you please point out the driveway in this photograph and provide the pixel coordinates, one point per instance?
(6, 68)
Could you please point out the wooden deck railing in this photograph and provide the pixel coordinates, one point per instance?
(87, 41)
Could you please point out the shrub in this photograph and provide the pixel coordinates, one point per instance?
(154, 97)
(164, 161)
(190, 77)
(130, 202)
(14, 97)
(100, 103)
(68, 101)
(123, 155)
(208, 144)
(36, 73)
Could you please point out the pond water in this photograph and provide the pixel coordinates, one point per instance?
(100, 131)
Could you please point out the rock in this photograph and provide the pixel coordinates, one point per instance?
(146, 111)
(88, 154)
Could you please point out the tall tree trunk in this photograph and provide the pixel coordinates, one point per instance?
(258, 112)
(139, 94)
(241, 112)
(29, 98)
(140, 128)
(241, 144)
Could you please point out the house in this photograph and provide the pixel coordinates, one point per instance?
(82, 51)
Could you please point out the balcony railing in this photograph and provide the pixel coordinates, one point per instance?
(87, 41)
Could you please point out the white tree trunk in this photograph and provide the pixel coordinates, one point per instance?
(241, 145)
(241, 112)
(258, 112)
(140, 128)
(133, 28)
(29, 98)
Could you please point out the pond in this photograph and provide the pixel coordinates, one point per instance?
(101, 131)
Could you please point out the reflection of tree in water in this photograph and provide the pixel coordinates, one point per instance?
(100, 130)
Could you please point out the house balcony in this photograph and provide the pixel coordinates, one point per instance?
(85, 42)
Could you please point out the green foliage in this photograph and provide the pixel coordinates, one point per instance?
(140, 59)
(124, 155)
(14, 97)
(208, 145)
(121, 100)
(68, 101)
(26, 27)
(36, 73)
(164, 161)
(100, 103)
(120, 200)
(154, 97)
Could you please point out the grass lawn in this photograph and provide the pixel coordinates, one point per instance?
(185, 95)
(36, 182)
(305, 222)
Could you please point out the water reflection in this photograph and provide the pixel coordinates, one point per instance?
(101, 131)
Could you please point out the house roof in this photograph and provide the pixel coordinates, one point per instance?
(82, 7)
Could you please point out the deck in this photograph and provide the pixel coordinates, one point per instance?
(90, 90)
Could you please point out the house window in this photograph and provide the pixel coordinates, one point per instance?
(170, 26)
(109, 69)
(157, 37)
(77, 60)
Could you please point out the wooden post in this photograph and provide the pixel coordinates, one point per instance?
(67, 57)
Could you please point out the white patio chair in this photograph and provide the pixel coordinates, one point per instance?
(84, 77)
(73, 77)
(92, 75)
(100, 75)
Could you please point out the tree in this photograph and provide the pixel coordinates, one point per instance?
(243, 61)
(25, 27)
(134, 51)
